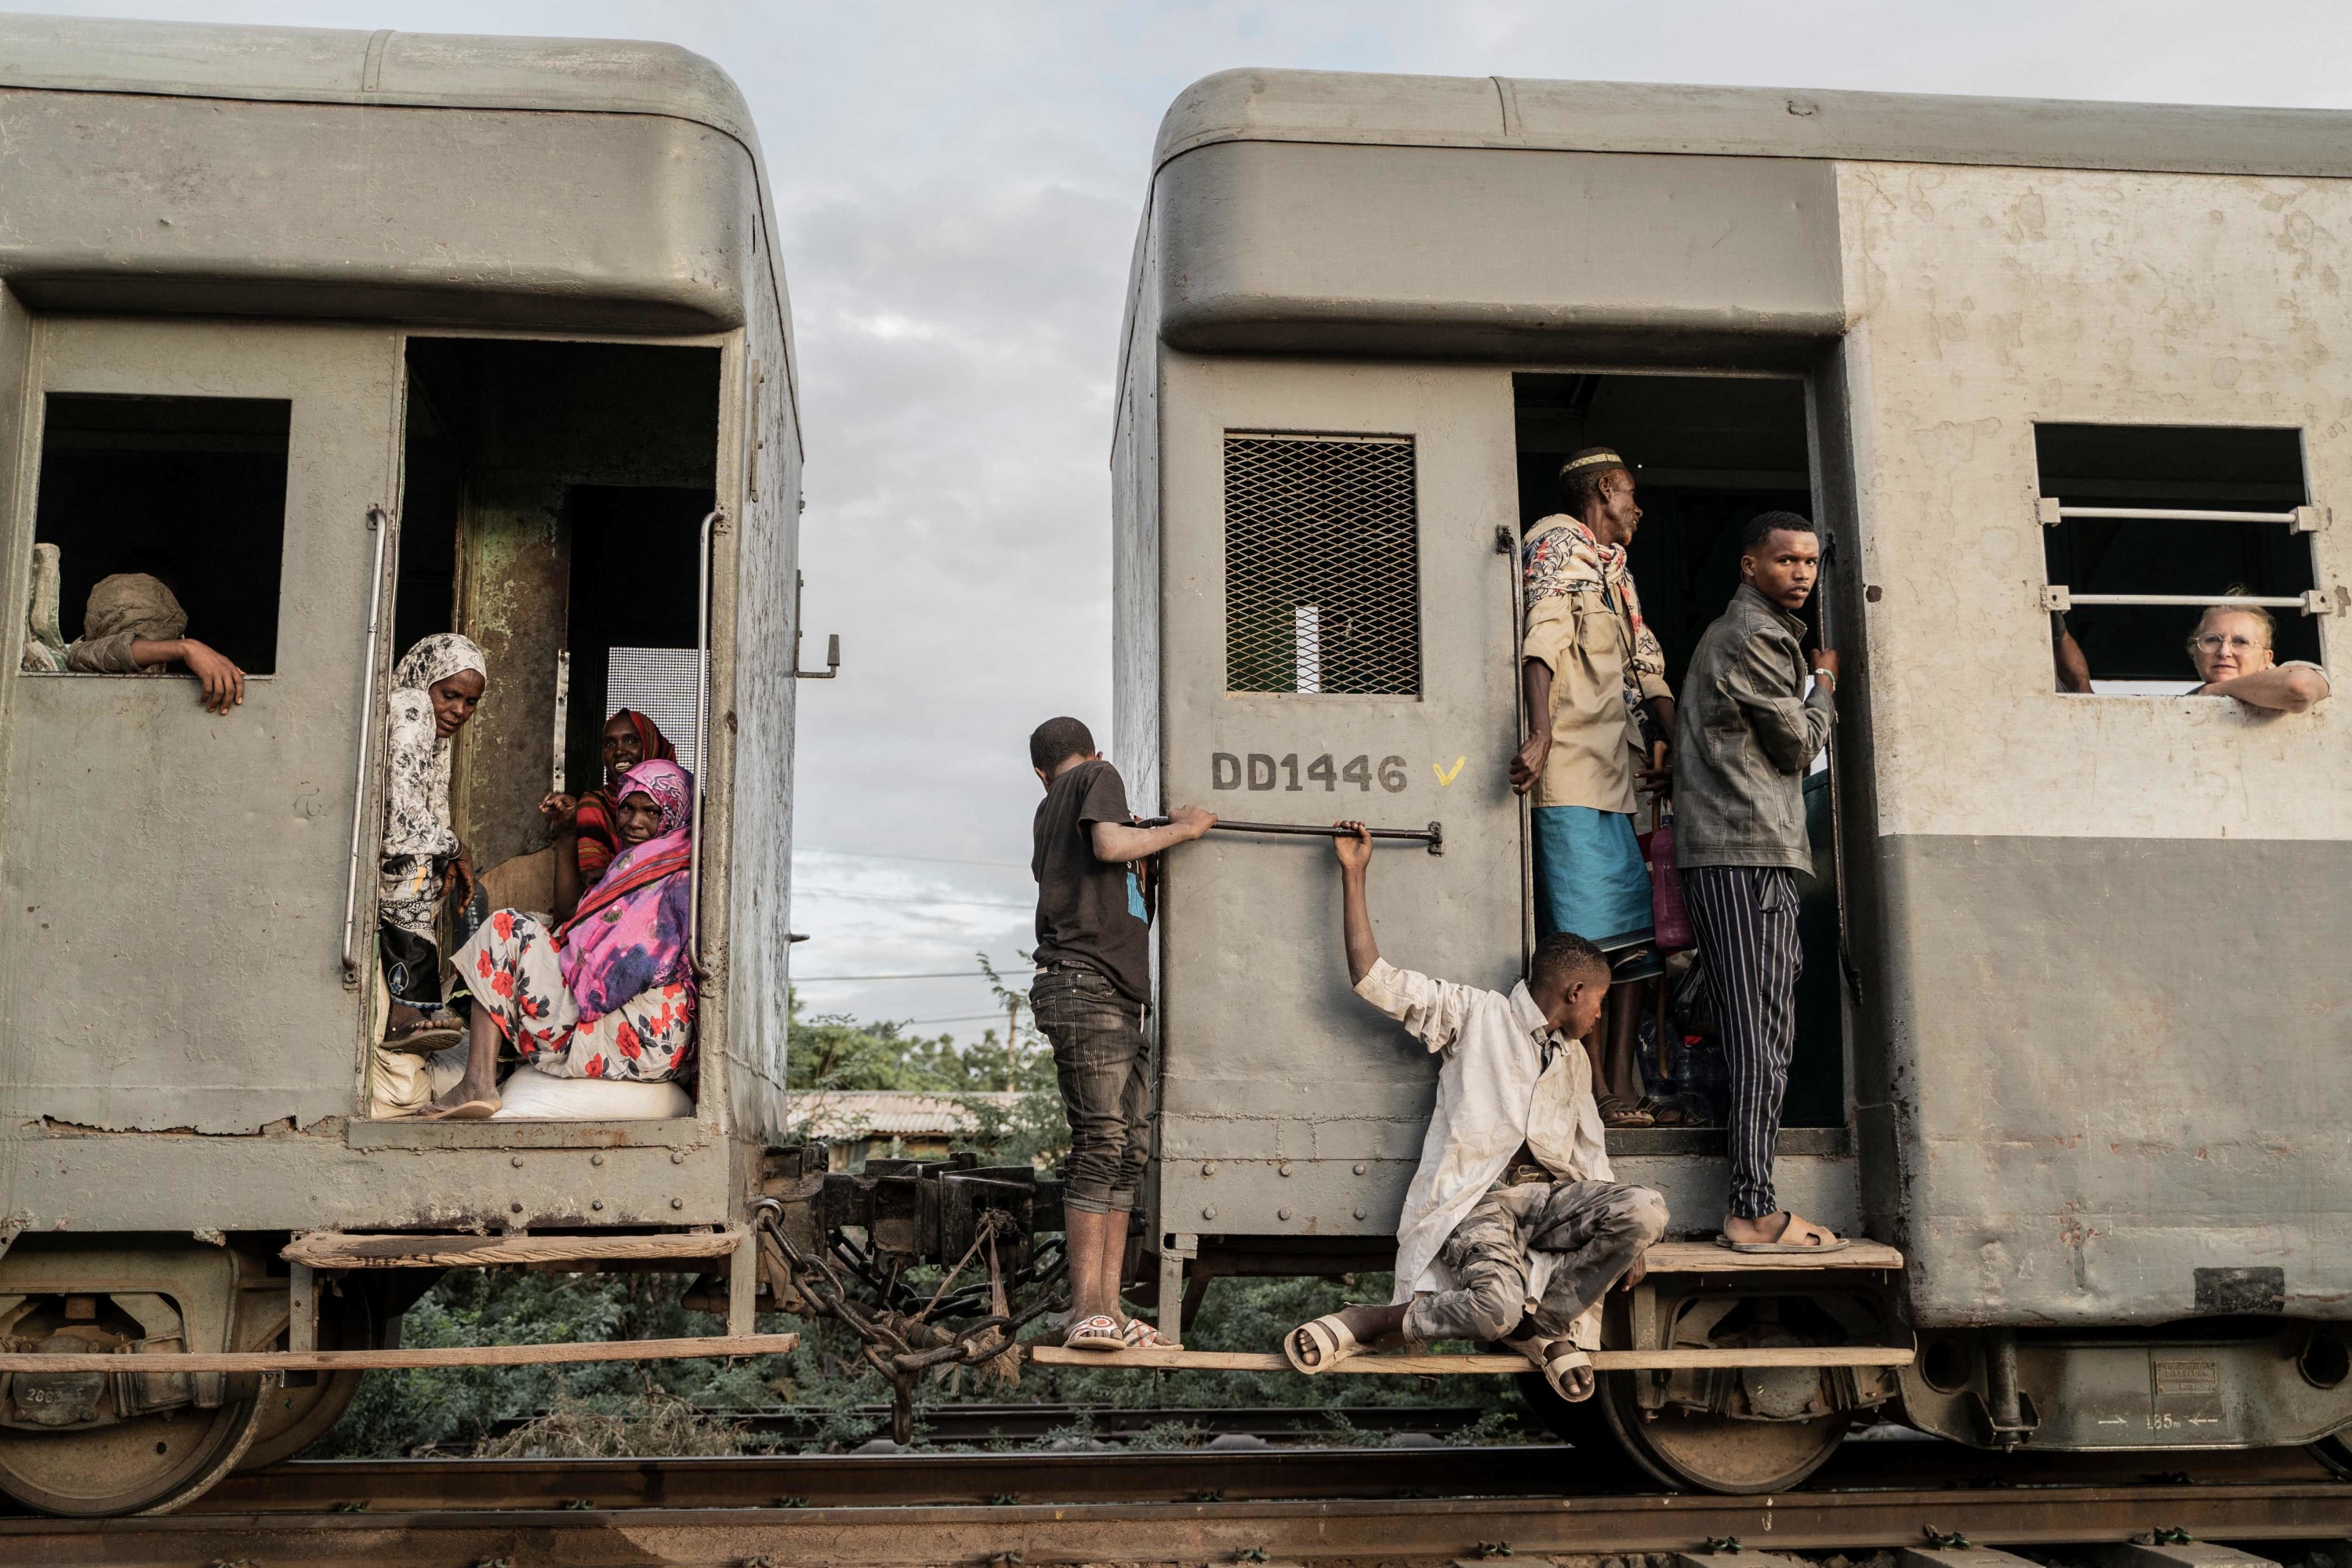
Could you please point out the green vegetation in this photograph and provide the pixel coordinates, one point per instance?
(618, 1407)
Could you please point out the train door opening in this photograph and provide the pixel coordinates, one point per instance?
(552, 506)
(1710, 453)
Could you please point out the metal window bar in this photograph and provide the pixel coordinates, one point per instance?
(1322, 564)
(2061, 598)
(701, 743)
(2300, 519)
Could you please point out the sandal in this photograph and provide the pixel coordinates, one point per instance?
(1830, 1241)
(434, 1033)
(1616, 1112)
(1555, 1359)
(1143, 1336)
(1095, 1334)
(1673, 1110)
(1333, 1341)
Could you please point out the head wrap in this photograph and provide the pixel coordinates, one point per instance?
(136, 603)
(417, 754)
(434, 659)
(598, 839)
(630, 933)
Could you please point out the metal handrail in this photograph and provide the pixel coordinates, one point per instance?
(2302, 518)
(701, 741)
(379, 522)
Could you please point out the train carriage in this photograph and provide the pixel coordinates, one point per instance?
(374, 335)
(2075, 993)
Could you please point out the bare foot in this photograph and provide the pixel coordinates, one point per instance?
(465, 1093)
(1371, 1325)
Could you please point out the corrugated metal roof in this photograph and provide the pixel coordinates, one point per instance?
(892, 1112)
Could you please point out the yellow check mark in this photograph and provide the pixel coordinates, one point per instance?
(1446, 775)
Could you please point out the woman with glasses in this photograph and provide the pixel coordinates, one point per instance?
(2233, 649)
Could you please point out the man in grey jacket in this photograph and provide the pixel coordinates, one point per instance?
(1746, 732)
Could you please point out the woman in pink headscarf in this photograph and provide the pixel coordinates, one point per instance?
(610, 992)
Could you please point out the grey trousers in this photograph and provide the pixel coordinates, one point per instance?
(1598, 1228)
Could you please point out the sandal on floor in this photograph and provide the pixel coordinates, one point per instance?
(1555, 1359)
(1781, 1243)
(464, 1110)
(434, 1033)
(1095, 1334)
(1334, 1342)
(1616, 1112)
(1671, 1111)
(1143, 1336)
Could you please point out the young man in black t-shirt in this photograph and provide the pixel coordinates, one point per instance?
(1094, 977)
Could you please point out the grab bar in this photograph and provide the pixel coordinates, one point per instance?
(701, 741)
(379, 523)
(2300, 520)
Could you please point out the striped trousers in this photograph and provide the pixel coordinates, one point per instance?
(1746, 920)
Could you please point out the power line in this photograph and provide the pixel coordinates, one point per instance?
(908, 898)
(930, 859)
(929, 974)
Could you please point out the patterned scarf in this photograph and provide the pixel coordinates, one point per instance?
(1561, 556)
(599, 840)
(629, 934)
(417, 754)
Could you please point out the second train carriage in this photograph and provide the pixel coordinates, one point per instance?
(377, 335)
(2076, 996)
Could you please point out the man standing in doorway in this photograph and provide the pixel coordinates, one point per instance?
(1590, 670)
(1094, 979)
(1749, 730)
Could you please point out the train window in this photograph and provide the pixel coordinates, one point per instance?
(2147, 524)
(1322, 565)
(188, 491)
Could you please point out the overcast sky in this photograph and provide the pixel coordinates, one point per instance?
(958, 186)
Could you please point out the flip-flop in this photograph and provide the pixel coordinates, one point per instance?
(1334, 1342)
(1143, 1336)
(1555, 1363)
(1834, 1244)
(1095, 1334)
(465, 1111)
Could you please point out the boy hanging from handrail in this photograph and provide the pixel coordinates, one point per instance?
(1514, 1227)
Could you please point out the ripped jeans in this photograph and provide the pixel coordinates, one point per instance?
(1104, 1064)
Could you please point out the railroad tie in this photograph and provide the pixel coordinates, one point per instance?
(2180, 1555)
(1956, 1557)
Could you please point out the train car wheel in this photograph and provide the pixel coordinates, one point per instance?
(150, 1465)
(2334, 1451)
(1716, 1453)
(294, 1418)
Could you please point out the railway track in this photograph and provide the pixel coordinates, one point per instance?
(1327, 1506)
(980, 1422)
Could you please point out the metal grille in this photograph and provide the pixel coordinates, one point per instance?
(1322, 565)
(660, 683)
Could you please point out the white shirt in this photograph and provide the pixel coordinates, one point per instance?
(1509, 1079)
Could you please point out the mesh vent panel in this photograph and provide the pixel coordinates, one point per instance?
(1322, 567)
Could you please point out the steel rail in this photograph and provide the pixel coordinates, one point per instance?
(782, 1527)
(1433, 835)
(380, 523)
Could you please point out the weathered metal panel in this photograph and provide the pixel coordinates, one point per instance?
(2119, 1063)
(755, 728)
(626, 221)
(1387, 250)
(1514, 112)
(1267, 1052)
(176, 881)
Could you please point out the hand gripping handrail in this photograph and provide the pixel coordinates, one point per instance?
(379, 523)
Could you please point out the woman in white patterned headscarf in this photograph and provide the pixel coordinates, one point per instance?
(434, 691)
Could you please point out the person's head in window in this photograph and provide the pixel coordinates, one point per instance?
(133, 624)
(1596, 486)
(1781, 557)
(2234, 648)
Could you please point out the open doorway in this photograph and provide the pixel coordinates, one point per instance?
(552, 500)
(1710, 453)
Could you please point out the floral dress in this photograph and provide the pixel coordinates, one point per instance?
(516, 974)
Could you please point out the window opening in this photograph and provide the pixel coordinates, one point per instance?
(188, 491)
(1710, 453)
(2144, 526)
(1322, 565)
